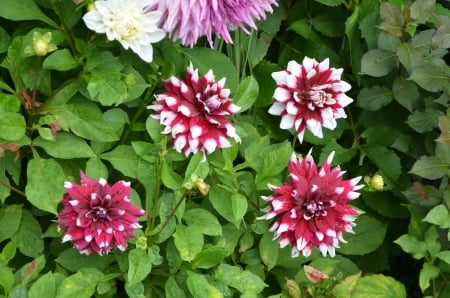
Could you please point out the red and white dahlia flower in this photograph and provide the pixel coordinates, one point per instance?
(98, 217)
(310, 95)
(311, 209)
(194, 112)
(190, 20)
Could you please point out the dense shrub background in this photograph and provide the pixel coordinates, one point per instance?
(83, 107)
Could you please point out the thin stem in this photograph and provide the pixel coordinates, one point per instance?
(174, 210)
(13, 188)
(237, 54)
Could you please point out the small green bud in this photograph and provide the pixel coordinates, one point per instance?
(91, 6)
(141, 242)
(40, 47)
(377, 182)
(293, 288)
(202, 186)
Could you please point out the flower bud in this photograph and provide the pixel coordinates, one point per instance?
(91, 7)
(40, 47)
(293, 288)
(377, 182)
(314, 274)
(202, 186)
(141, 242)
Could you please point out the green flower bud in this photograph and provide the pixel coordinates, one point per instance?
(377, 182)
(40, 47)
(141, 242)
(293, 288)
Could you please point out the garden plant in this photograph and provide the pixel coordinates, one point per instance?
(224, 148)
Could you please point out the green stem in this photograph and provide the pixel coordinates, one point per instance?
(12, 188)
(152, 202)
(142, 107)
(237, 54)
(174, 210)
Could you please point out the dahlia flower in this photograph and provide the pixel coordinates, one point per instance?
(311, 209)
(310, 95)
(195, 112)
(190, 20)
(98, 217)
(128, 22)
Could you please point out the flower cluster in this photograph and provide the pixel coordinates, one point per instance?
(129, 22)
(310, 95)
(190, 20)
(195, 111)
(311, 209)
(98, 217)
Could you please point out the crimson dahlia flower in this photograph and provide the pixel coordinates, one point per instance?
(190, 20)
(310, 95)
(195, 112)
(311, 209)
(98, 217)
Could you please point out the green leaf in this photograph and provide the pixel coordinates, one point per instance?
(331, 2)
(428, 272)
(199, 286)
(430, 167)
(246, 93)
(424, 121)
(385, 203)
(341, 154)
(393, 20)
(441, 38)
(12, 126)
(198, 166)
(6, 279)
(444, 126)
(439, 215)
(430, 77)
(72, 260)
(5, 40)
(66, 146)
(8, 252)
(85, 120)
(378, 286)
(268, 250)
(124, 159)
(243, 281)
(9, 102)
(140, 265)
(61, 60)
(374, 97)
(45, 286)
(81, 284)
(274, 160)
(205, 59)
(45, 185)
(405, 92)
(368, 236)
(378, 63)
(409, 56)
(411, 245)
(386, 160)
(10, 218)
(262, 73)
(239, 206)
(345, 288)
(188, 241)
(204, 221)
(28, 237)
(172, 289)
(222, 202)
(209, 257)
(23, 10)
(444, 256)
(106, 86)
(303, 28)
(96, 169)
(170, 178)
(422, 10)
(330, 23)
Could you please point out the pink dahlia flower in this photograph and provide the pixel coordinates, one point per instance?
(311, 209)
(310, 95)
(98, 217)
(190, 20)
(195, 112)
